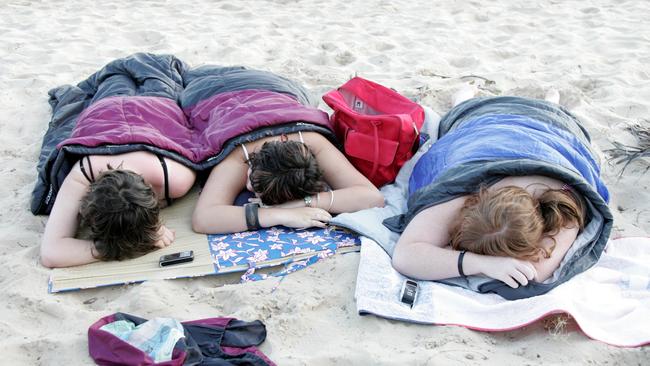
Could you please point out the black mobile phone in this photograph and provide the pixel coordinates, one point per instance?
(409, 292)
(176, 258)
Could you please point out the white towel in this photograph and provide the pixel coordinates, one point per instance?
(610, 302)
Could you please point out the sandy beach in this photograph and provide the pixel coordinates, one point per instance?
(595, 53)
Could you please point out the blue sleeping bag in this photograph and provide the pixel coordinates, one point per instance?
(486, 139)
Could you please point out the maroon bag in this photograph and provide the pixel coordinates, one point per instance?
(222, 341)
(379, 127)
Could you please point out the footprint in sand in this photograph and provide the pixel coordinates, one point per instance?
(464, 62)
(146, 38)
(322, 58)
(504, 38)
(227, 50)
(590, 10)
(384, 46)
(594, 88)
(642, 75)
(482, 18)
(504, 53)
(328, 46)
(571, 98)
(343, 24)
(231, 7)
(345, 58)
(379, 60)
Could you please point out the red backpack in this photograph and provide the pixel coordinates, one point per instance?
(379, 128)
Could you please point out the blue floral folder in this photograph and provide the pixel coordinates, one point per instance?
(295, 249)
(287, 250)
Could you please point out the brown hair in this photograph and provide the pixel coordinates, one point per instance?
(283, 171)
(510, 222)
(122, 211)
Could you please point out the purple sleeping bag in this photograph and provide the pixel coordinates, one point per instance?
(132, 104)
(160, 122)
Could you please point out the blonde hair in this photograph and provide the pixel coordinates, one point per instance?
(510, 222)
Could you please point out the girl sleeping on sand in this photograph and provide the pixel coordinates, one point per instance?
(299, 179)
(283, 152)
(514, 231)
(514, 225)
(112, 171)
(118, 197)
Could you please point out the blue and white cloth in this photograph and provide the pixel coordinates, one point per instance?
(156, 337)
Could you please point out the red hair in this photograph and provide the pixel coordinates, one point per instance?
(510, 222)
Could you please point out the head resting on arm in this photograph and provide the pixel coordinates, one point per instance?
(122, 212)
(510, 222)
(283, 171)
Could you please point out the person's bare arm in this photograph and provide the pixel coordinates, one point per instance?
(59, 247)
(215, 212)
(352, 191)
(422, 251)
(563, 241)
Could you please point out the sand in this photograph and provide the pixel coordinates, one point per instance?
(595, 53)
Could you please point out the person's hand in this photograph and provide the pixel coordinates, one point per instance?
(305, 217)
(514, 272)
(165, 237)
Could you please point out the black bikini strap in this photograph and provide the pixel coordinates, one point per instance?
(90, 178)
(166, 175)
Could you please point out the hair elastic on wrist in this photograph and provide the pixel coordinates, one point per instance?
(331, 200)
(252, 218)
(460, 264)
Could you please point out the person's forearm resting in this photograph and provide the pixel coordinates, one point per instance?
(67, 252)
(425, 261)
(351, 199)
(231, 219)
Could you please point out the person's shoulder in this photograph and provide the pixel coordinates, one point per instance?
(75, 176)
(449, 208)
(534, 184)
(133, 160)
(528, 180)
(317, 141)
(315, 136)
